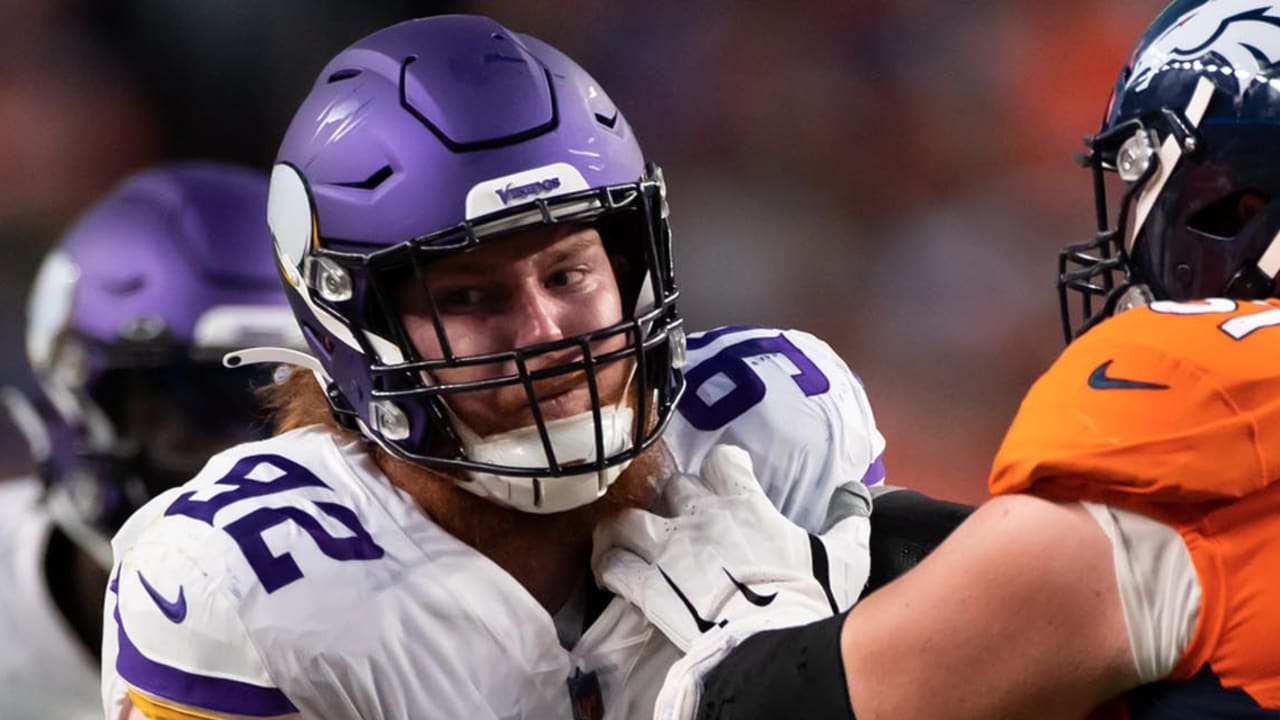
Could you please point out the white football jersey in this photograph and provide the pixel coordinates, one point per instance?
(789, 400)
(291, 578)
(45, 671)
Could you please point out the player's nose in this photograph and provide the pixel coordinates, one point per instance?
(536, 318)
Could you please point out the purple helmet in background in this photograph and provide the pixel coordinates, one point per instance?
(433, 137)
(128, 320)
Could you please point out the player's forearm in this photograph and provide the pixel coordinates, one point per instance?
(984, 627)
(1016, 615)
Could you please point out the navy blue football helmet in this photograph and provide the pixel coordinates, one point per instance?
(1193, 132)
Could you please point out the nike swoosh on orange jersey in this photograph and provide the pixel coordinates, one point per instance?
(1099, 380)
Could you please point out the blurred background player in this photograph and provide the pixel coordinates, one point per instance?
(480, 259)
(126, 326)
(1130, 558)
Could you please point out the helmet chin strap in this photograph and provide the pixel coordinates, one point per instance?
(573, 440)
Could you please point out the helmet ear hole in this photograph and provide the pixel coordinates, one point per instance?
(1225, 217)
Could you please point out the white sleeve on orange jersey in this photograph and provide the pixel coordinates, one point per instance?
(1159, 587)
(791, 402)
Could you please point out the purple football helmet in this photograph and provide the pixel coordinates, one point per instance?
(434, 137)
(128, 320)
(1193, 132)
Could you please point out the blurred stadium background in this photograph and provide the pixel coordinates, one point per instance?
(892, 175)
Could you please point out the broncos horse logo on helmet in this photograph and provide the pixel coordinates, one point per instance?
(1242, 33)
(1193, 132)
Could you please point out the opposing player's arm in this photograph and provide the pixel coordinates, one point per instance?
(1016, 615)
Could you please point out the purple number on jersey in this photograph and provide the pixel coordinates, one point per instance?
(748, 388)
(276, 571)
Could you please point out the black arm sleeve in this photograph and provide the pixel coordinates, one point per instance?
(790, 673)
(905, 527)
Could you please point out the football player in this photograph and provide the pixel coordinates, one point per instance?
(480, 260)
(1129, 562)
(128, 319)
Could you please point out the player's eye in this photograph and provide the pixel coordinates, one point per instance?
(460, 299)
(567, 278)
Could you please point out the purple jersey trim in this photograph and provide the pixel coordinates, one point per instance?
(875, 473)
(198, 691)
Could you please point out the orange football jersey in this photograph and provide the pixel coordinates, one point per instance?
(1173, 410)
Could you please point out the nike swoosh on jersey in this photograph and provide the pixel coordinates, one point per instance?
(752, 596)
(176, 610)
(1099, 380)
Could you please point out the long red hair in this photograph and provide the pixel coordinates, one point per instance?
(297, 401)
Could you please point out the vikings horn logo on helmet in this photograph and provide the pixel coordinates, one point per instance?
(1240, 32)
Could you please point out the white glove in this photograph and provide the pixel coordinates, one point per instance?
(728, 564)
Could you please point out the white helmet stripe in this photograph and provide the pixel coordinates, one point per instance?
(1170, 153)
(1269, 263)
